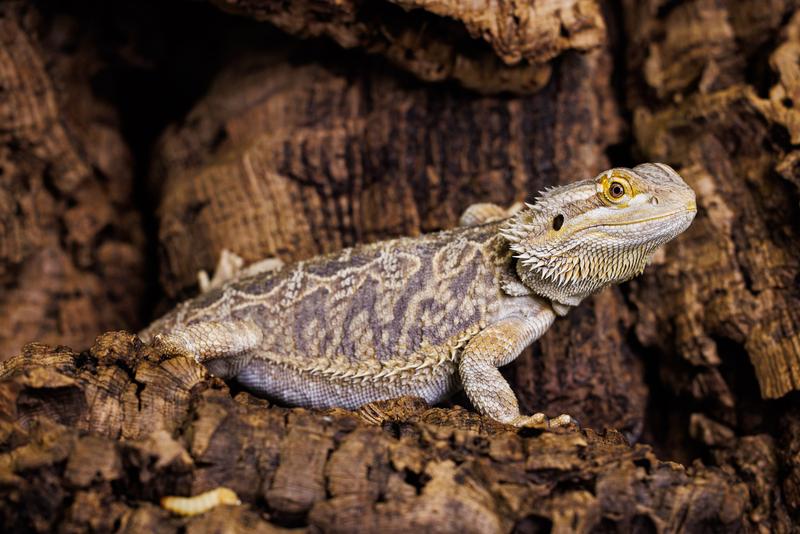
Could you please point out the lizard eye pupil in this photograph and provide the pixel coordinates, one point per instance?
(558, 222)
(616, 190)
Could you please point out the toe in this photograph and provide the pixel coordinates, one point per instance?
(563, 420)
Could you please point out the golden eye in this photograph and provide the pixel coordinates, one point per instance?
(616, 190)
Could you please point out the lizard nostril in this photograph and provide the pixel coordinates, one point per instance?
(654, 201)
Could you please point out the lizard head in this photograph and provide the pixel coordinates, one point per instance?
(578, 238)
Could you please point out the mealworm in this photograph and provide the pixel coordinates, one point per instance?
(199, 504)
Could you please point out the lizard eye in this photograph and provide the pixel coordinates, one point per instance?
(558, 222)
(614, 188)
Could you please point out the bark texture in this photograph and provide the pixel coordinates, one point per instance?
(737, 286)
(488, 46)
(97, 438)
(368, 120)
(71, 246)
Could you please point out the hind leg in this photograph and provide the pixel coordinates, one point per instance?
(223, 347)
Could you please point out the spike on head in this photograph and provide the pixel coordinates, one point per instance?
(581, 237)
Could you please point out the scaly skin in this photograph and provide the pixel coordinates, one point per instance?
(427, 316)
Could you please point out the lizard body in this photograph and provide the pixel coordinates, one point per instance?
(426, 316)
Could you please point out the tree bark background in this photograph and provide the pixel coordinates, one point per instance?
(145, 134)
(71, 253)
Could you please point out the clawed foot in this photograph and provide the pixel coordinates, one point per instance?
(541, 421)
(230, 266)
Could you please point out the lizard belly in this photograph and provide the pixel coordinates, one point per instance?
(302, 388)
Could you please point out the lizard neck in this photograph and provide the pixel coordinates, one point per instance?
(515, 281)
(561, 301)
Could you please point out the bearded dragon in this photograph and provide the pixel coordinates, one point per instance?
(429, 315)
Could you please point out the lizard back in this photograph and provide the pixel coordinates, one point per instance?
(392, 300)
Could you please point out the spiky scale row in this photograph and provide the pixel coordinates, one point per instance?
(366, 371)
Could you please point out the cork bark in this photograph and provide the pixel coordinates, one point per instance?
(734, 140)
(71, 245)
(305, 127)
(99, 437)
(487, 46)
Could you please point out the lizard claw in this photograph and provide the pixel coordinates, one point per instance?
(562, 421)
(541, 421)
(537, 420)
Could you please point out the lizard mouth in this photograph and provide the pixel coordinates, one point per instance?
(647, 219)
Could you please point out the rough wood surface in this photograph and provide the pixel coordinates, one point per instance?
(70, 243)
(717, 99)
(63, 462)
(442, 39)
(734, 280)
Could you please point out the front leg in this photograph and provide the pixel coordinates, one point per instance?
(495, 346)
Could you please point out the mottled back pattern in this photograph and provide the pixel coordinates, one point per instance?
(402, 299)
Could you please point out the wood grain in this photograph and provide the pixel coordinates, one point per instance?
(434, 469)
(71, 246)
(734, 278)
(487, 46)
